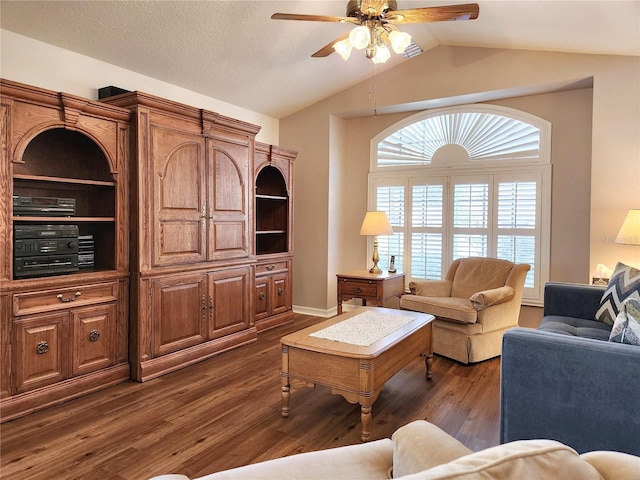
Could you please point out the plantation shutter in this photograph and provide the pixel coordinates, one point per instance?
(390, 199)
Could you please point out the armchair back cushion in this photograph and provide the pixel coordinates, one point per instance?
(475, 274)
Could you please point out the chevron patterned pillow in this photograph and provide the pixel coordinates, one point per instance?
(627, 326)
(624, 284)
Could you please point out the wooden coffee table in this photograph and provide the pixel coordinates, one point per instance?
(356, 372)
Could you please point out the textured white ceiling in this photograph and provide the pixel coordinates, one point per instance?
(234, 52)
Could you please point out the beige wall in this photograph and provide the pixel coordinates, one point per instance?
(29, 61)
(595, 180)
(595, 152)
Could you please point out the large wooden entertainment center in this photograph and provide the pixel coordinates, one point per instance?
(190, 222)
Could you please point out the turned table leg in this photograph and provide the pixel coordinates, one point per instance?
(284, 379)
(428, 363)
(365, 419)
(286, 393)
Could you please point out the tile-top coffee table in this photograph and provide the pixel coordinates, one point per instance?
(355, 353)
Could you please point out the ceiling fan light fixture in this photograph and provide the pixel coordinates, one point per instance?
(359, 37)
(399, 41)
(343, 48)
(382, 54)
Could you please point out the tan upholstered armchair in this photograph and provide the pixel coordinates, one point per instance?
(478, 300)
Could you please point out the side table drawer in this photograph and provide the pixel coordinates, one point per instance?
(63, 298)
(362, 289)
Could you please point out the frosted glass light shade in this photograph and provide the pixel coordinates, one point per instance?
(359, 37)
(382, 54)
(343, 48)
(629, 233)
(399, 41)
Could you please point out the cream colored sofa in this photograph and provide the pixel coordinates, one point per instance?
(478, 300)
(421, 451)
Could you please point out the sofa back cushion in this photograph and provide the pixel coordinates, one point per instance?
(475, 274)
(523, 459)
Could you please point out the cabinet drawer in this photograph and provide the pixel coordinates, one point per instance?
(64, 298)
(271, 267)
(361, 289)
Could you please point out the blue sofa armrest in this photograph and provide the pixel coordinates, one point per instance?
(578, 391)
(572, 300)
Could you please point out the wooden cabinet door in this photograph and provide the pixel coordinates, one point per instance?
(230, 301)
(40, 351)
(281, 295)
(178, 313)
(179, 197)
(229, 185)
(92, 333)
(263, 298)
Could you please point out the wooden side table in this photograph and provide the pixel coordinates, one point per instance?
(372, 287)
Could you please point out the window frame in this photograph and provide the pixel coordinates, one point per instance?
(409, 176)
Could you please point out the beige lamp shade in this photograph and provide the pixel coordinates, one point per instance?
(376, 223)
(629, 233)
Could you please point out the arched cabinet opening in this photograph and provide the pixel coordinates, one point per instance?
(274, 235)
(64, 207)
(64, 233)
(272, 212)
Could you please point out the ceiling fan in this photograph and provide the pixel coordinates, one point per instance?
(376, 28)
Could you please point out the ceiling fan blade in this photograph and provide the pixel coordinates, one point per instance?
(312, 18)
(328, 48)
(467, 11)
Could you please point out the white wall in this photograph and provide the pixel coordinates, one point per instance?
(29, 61)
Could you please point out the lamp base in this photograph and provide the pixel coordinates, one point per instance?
(375, 258)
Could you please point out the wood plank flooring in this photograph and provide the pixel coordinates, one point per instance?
(225, 412)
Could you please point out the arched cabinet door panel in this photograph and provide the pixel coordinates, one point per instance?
(179, 196)
(228, 199)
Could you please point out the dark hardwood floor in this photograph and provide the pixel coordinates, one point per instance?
(225, 412)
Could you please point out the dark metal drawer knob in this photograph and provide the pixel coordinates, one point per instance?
(42, 348)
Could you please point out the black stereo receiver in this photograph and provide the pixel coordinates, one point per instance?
(43, 206)
(44, 266)
(43, 250)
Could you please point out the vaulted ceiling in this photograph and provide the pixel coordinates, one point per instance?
(234, 52)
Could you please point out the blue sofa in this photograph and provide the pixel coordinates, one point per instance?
(566, 381)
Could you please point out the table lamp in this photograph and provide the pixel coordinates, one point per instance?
(629, 233)
(375, 223)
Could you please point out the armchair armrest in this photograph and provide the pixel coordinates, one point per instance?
(493, 296)
(431, 288)
(572, 300)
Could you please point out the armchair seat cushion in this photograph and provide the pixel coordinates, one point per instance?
(577, 327)
(452, 308)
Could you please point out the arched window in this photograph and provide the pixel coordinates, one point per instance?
(465, 181)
